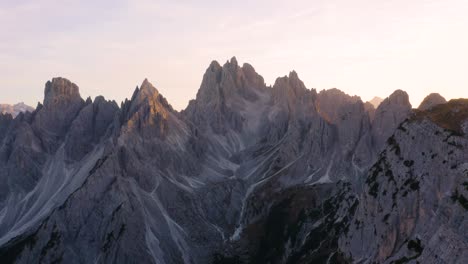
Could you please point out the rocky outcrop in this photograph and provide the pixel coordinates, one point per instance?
(431, 100)
(291, 95)
(292, 105)
(349, 115)
(225, 91)
(330, 104)
(62, 104)
(390, 113)
(60, 91)
(147, 113)
(90, 127)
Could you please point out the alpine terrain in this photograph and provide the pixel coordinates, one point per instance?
(247, 173)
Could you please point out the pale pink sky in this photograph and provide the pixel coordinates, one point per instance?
(363, 47)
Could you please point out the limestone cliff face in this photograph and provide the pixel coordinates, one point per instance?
(62, 103)
(390, 113)
(413, 206)
(147, 113)
(224, 92)
(349, 115)
(90, 127)
(246, 174)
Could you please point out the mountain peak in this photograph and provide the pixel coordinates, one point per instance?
(147, 93)
(376, 101)
(291, 83)
(232, 67)
(234, 61)
(60, 90)
(431, 100)
(333, 104)
(214, 66)
(293, 75)
(228, 81)
(148, 88)
(291, 93)
(147, 112)
(390, 113)
(398, 97)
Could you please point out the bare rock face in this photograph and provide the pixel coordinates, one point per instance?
(431, 100)
(148, 112)
(35, 171)
(411, 209)
(348, 114)
(5, 121)
(246, 174)
(225, 91)
(90, 127)
(290, 93)
(330, 101)
(390, 113)
(62, 103)
(60, 91)
(370, 109)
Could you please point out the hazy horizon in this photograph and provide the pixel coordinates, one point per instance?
(365, 48)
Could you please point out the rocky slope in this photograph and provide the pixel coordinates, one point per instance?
(247, 173)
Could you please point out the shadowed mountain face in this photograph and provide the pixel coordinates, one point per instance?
(246, 174)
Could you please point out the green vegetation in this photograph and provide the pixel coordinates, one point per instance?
(412, 183)
(408, 163)
(457, 197)
(374, 188)
(385, 218)
(448, 116)
(371, 180)
(394, 144)
(413, 245)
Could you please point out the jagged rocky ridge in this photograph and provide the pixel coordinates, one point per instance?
(247, 173)
(15, 109)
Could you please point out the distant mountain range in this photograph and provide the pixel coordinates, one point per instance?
(15, 109)
(376, 101)
(247, 173)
